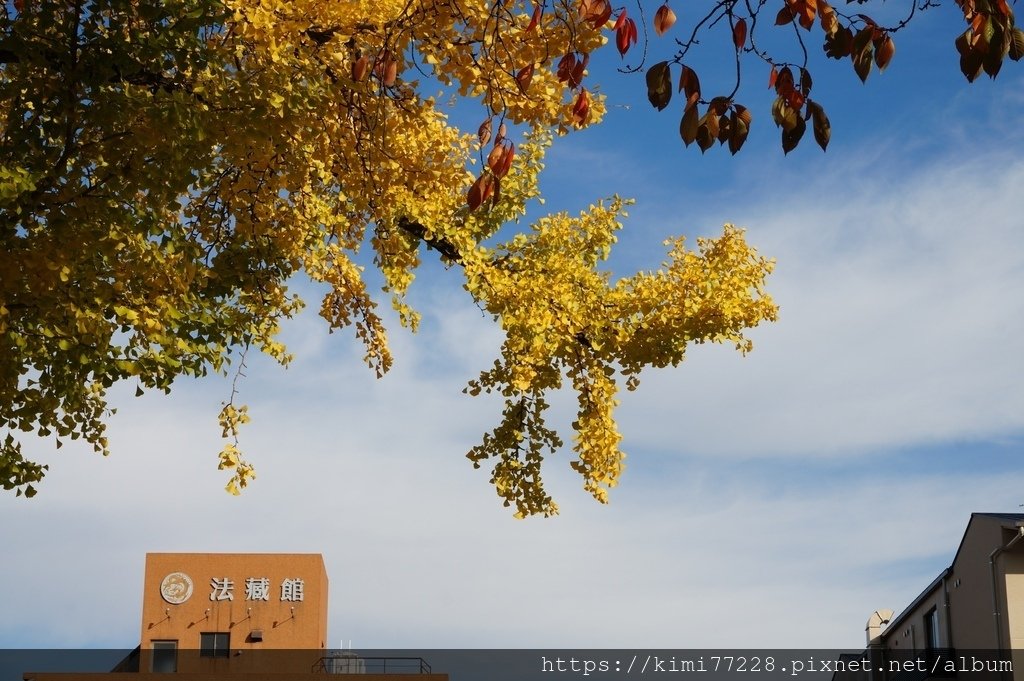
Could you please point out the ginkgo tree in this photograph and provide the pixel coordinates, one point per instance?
(169, 166)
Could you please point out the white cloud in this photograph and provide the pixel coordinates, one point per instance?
(901, 324)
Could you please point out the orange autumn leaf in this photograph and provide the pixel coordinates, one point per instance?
(664, 18)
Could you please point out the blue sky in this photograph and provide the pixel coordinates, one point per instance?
(771, 500)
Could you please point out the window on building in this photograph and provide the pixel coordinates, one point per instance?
(165, 656)
(214, 644)
(931, 629)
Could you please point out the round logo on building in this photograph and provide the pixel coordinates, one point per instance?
(176, 588)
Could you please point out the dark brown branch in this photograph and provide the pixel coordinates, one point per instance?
(439, 244)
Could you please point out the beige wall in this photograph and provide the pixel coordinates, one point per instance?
(909, 633)
(964, 600)
(1011, 563)
(970, 589)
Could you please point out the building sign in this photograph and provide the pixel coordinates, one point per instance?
(223, 589)
(176, 588)
(291, 590)
(257, 589)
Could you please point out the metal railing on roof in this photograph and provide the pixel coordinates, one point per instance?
(356, 664)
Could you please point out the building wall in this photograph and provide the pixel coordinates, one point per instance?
(263, 602)
(970, 588)
(909, 634)
(979, 611)
(1010, 565)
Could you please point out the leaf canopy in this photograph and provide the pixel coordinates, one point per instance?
(166, 168)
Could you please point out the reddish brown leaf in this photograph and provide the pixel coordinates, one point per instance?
(565, 66)
(581, 109)
(488, 188)
(784, 115)
(795, 99)
(379, 62)
(884, 52)
(785, 16)
(991, 62)
(784, 82)
(659, 85)
(500, 159)
(502, 134)
(971, 63)
(839, 44)
(1016, 50)
(496, 196)
(791, 138)
(494, 158)
(524, 77)
(360, 68)
(719, 105)
(740, 124)
(481, 190)
(862, 52)
(739, 33)
(625, 34)
(828, 19)
(806, 15)
(773, 77)
(535, 18)
(862, 65)
(390, 73)
(690, 84)
(820, 123)
(688, 125)
(977, 27)
(576, 75)
(483, 133)
(705, 138)
(506, 161)
(742, 114)
(386, 68)
(710, 121)
(963, 42)
(664, 18)
(724, 129)
(596, 12)
(1003, 36)
(805, 81)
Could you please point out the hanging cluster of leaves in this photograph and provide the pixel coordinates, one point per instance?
(991, 36)
(168, 166)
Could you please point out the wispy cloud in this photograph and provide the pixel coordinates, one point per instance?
(900, 323)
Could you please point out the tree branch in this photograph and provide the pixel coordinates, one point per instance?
(439, 244)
